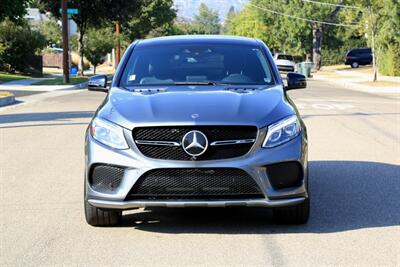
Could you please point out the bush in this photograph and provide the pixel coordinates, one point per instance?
(388, 61)
(75, 61)
(52, 32)
(18, 43)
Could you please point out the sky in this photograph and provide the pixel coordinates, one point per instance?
(189, 8)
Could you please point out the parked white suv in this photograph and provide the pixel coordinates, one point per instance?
(284, 62)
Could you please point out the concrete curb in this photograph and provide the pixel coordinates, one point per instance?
(42, 87)
(7, 100)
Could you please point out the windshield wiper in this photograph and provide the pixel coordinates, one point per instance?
(200, 83)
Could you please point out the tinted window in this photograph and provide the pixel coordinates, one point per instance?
(351, 53)
(359, 52)
(168, 65)
(286, 57)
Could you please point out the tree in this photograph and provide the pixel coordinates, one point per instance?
(227, 27)
(137, 16)
(14, 10)
(207, 21)
(388, 38)
(98, 43)
(284, 32)
(91, 12)
(19, 43)
(247, 23)
(379, 21)
(151, 15)
(319, 30)
(52, 32)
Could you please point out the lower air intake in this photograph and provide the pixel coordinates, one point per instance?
(206, 184)
(105, 178)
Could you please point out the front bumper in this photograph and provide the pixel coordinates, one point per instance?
(253, 163)
(125, 205)
(285, 68)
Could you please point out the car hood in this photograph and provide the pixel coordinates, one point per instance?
(195, 105)
(284, 62)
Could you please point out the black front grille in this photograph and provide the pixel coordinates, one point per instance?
(106, 178)
(207, 184)
(213, 133)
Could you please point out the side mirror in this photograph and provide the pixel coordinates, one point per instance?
(295, 81)
(98, 83)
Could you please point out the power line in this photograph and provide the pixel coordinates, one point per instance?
(304, 19)
(330, 4)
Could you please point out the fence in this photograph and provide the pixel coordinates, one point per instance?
(53, 60)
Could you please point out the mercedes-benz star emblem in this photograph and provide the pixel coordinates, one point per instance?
(194, 143)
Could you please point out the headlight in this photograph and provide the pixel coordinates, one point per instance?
(108, 134)
(282, 131)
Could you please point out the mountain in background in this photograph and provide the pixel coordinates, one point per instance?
(189, 8)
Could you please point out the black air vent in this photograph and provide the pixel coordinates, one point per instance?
(219, 183)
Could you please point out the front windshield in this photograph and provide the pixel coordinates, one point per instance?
(285, 57)
(197, 64)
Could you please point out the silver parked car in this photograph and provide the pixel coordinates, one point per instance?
(195, 121)
(284, 62)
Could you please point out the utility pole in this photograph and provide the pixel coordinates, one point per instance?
(65, 41)
(118, 48)
(371, 18)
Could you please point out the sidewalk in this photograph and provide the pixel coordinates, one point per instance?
(359, 79)
(23, 82)
(23, 92)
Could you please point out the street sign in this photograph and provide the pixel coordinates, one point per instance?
(71, 11)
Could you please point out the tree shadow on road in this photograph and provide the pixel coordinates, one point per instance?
(345, 195)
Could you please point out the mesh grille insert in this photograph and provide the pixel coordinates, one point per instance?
(213, 133)
(105, 178)
(222, 183)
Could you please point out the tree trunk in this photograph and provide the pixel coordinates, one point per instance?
(80, 52)
(375, 74)
(318, 33)
(317, 43)
(94, 69)
(65, 42)
(118, 46)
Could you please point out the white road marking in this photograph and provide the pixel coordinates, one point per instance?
(324, 106)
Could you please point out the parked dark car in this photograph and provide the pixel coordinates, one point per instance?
(358, 56)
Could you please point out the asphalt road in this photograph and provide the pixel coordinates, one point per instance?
(354, 154)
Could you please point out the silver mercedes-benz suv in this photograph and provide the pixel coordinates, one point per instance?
(196, 121)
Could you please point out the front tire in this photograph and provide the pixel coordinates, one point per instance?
(298, 214)
(98, 217)
(355, 65)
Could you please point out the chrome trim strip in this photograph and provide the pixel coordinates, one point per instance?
(105, 204)
(232, 142)
(215, 143)
(157, 143)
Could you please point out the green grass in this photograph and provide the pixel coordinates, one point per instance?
(60, 81)
(8, 77)
(4, 94)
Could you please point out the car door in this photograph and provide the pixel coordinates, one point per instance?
(365, 56)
